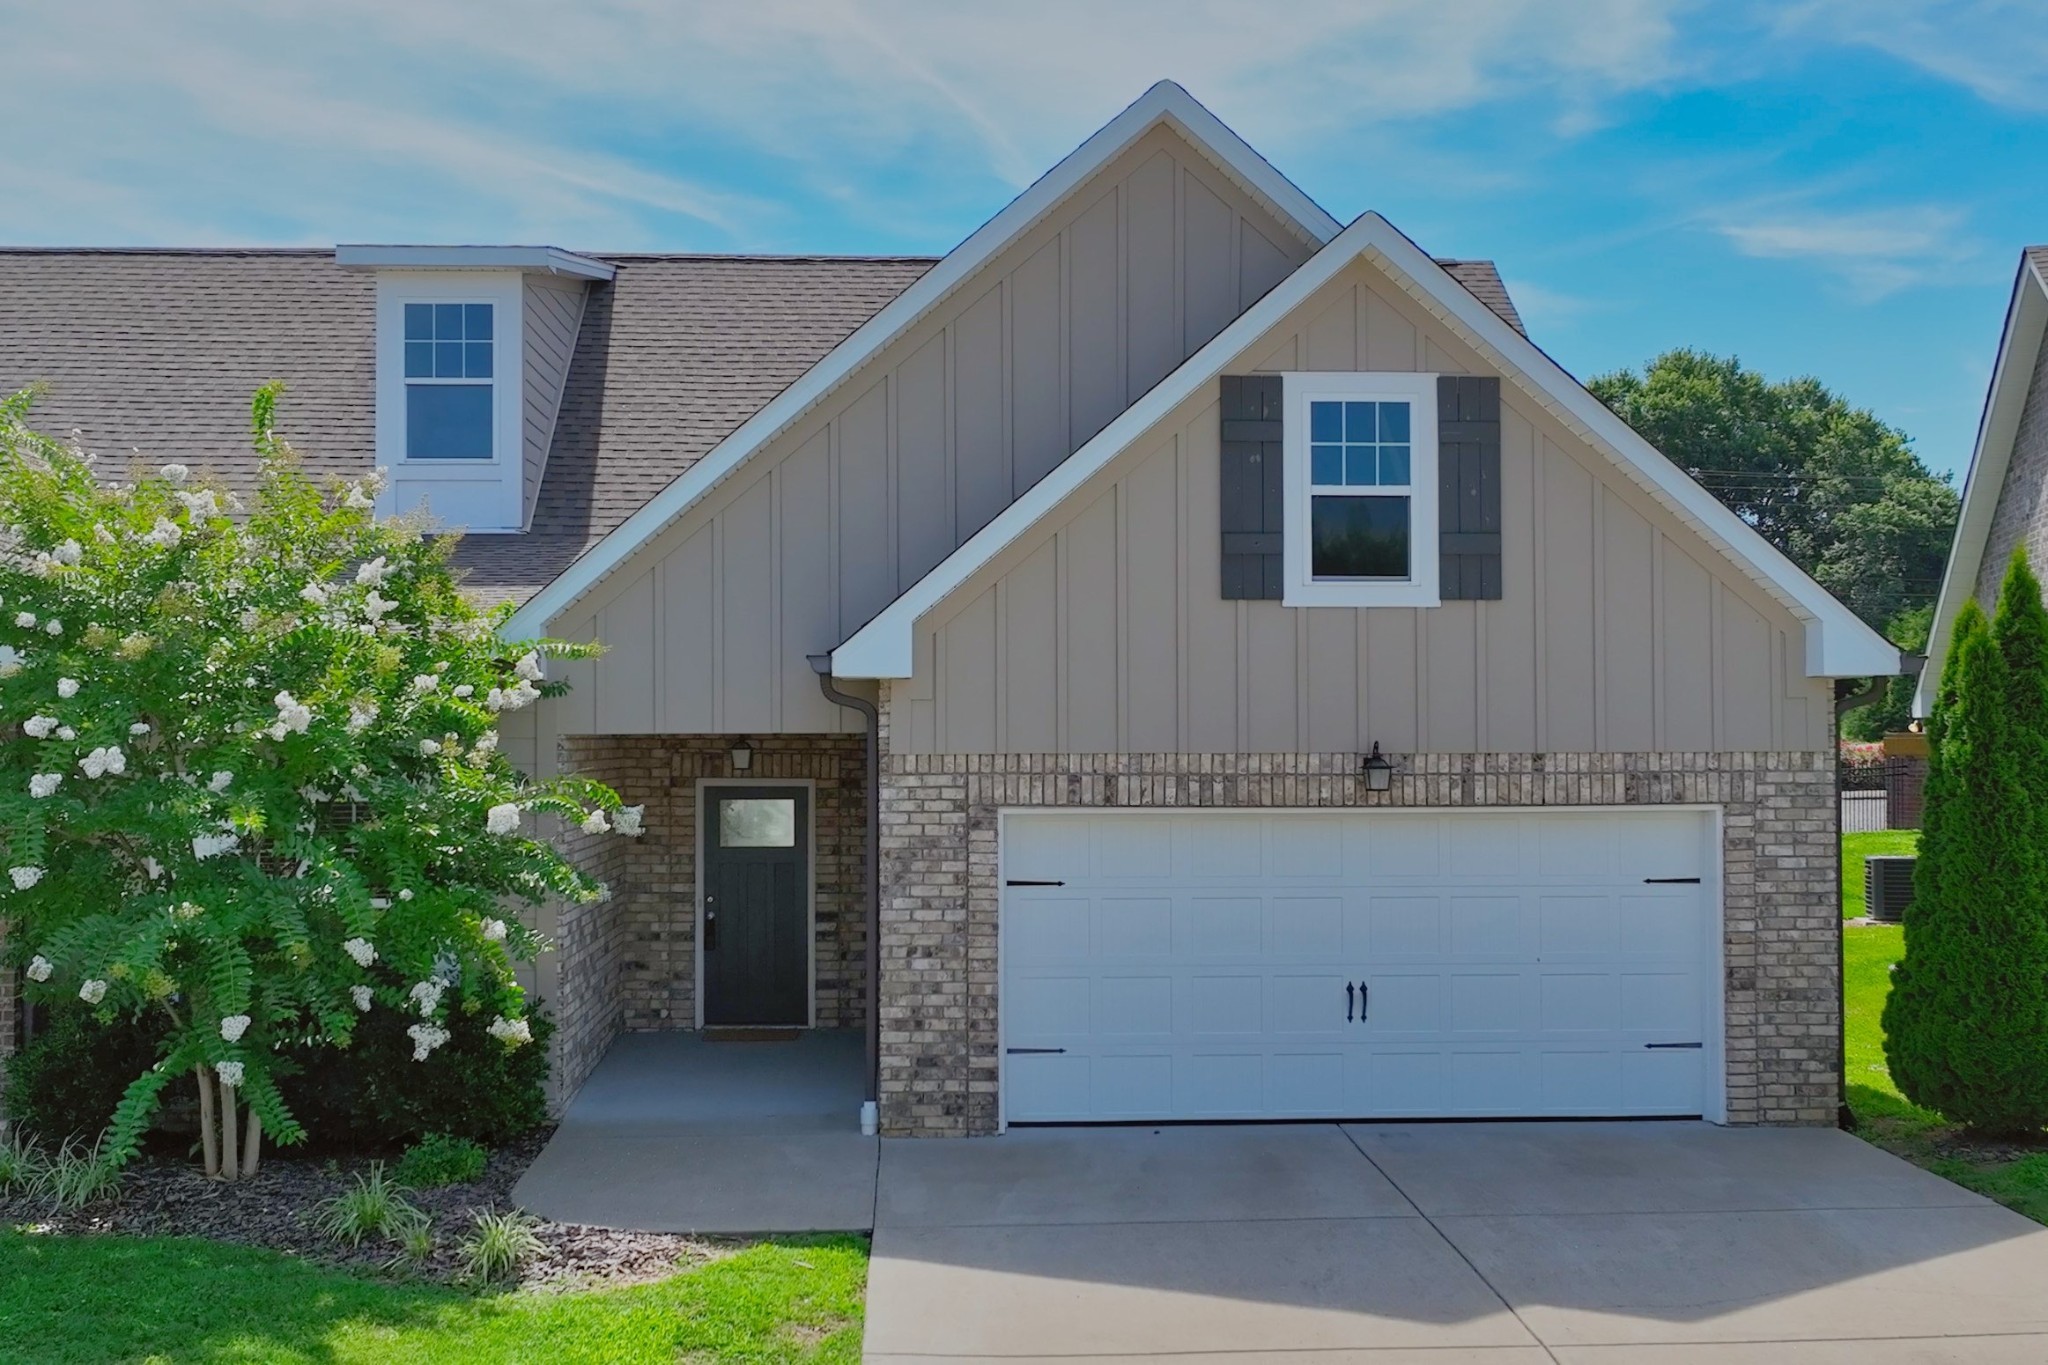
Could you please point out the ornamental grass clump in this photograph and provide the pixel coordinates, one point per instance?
(371, 1207)
(501, 1244)
(77, 1175)
(250, 786)
(21, 1163)
(1966, 1023)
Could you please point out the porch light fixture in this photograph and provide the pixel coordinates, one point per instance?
(742, 756)
(1378, 769)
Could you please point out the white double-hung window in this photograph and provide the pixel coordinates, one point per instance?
(449, 363)
(1360, 481)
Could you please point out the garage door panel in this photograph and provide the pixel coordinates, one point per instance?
(1491, 1002)
(1304, 927)
(1220, 1085)
(1576, 924)
(1134, 1006)
(1127, 927)
(1044, 928)
(1212, 1004)
(1218, 926)
(1400, 927)
(1195, 965)
(1578, 1002)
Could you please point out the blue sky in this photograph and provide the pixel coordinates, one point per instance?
(1834, 187)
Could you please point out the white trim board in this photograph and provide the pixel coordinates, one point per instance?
(1838, 643)
(2019, 350)
(704, 834)
(1165, 103)
(533, 260)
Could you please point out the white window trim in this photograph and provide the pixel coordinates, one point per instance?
(1420, 588)
(498, 478)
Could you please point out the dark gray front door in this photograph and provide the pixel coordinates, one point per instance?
(756, 932)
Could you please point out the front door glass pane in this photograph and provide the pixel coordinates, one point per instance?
(757, 822)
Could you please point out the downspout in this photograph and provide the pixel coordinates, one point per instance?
(1847, 698)
(821, 664)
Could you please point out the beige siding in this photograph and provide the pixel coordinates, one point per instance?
(554, 313)
(858, 500)
(1102, 631)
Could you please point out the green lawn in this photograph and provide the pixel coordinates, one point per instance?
(1883, 1115)
(1857, 847)
(69, 1300)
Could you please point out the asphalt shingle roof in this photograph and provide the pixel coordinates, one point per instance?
(158, 351)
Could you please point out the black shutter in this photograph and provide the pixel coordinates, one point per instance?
(1252, 488)
(1468, 487)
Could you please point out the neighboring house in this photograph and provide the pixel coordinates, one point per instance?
(1159, 525)
(2005, 496)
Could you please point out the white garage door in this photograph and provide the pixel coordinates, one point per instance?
(1359, 964)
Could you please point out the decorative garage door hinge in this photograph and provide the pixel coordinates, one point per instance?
(1032, 1051)
(1026, 881)
(1671, 881)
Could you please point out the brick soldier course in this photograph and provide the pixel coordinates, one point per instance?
(1779, 867)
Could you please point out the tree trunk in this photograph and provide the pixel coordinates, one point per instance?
(209, 1136)
(230, 1168)
(252, 1151)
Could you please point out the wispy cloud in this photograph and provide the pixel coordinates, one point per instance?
(1875, 252)
(1998, 49)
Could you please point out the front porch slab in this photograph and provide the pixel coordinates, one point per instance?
(674, 1133)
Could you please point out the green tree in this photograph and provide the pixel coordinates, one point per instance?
(250, 788)
(1966, 1024)
(1840, 492)
(1894, 710)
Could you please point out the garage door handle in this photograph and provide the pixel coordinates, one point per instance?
(1350, 1001)
(1671, 881)
(1673, 1046)
(1364, 999)
(1032, 1051)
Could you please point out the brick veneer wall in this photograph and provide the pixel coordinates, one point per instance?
(643, 941)
(939, 892)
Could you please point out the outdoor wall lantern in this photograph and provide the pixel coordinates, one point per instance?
(1378, 769)
(742, 756)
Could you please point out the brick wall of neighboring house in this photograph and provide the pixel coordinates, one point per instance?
(2021, 514)
(631, 962)
(939, 892)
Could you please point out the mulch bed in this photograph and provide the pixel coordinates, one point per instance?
(1980, 1150)
(275, 1210)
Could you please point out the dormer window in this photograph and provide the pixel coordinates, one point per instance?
(448, 389)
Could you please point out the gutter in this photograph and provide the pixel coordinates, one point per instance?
(821, 664)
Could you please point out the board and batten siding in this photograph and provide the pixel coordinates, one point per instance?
(708, 631)
(553, 315)
(1103, 630)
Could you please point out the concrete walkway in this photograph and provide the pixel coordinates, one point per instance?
(1665, 1243)
(672, 1133)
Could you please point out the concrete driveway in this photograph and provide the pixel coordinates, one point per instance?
(1664, 1243)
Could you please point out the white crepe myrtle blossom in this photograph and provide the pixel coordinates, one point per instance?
(425, 1038)
(40, 967)
(230, 1073)
(502, 819)
(361, 950)
(68, 553)
(405, 894)
(104, 762)
(67, 688)
(429, 747)
(220, 781)
(42, 785)
(361, 715)
(595, 823)
(464, 690)
(39, 727)
(511, 1032)
(424, 683)
(176, 473)
(361, 995)
(164, 535)
(66, 733)
(233, 1027)
(294, 717)
(313, 593)
(139, 728)
(494, 930)
(186, 910)
(529, 667)
(53, 627)
(627, 820)
(357, 500)
(93, 991)
(200, 506)
(376, 606)
(25, 877)
(373, 573)
(12, 661)
(427, 995)
(25, 619)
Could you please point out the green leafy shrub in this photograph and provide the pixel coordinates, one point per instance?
(67, 1080)
(1966, 1024)
(438, 1159)
(372, 1207)
(248, 754)
(501, 1244)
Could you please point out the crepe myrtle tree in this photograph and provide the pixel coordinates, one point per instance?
(250, 788)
